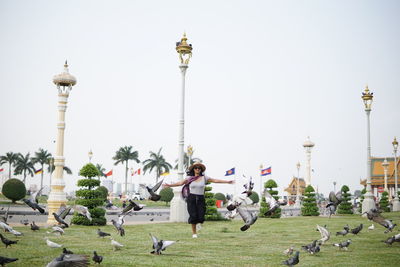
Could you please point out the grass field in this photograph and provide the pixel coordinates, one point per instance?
(219, 244)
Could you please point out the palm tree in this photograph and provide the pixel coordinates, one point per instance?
(9, 158)
(24, 165)
(51, 167)
(101, 170)
(124, 154)
(186, 160)
(42, 157)
(157, 162)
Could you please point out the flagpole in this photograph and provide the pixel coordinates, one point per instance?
(260, 196)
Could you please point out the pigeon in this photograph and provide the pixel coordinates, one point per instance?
(7, 242)
(249, 186)
(288, 251)
(58, 230)
(132, 205)
(97, 258)
(375, 216)
(73, 260)
(116, 245)
(34, 227)
(66, 251)
(83, 211)
(52, 244)
(357, 229)
(16, 233)
(5, 217)
(344, 244)
(102, 234)
(33, 201)
(372, 227)
(160, 245)
(325, 235)
(334, 201)
(310, 246)
(231, 214)
(272, 203)
(24, 222)
(6, 227)
(62, 212)
(344, 232)
(293, 260)
(152, 191)
(118, 225)
(4, 260)
(238, 200)
(392, 239)
(248, 218)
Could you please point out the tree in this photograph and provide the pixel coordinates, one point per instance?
(269, 185)
(166, 195)
(51, 167)
(220, 196)
(212, 213)
(14, 190)
(101, 170)
(24, 166)
(9, 158)
(156, 162)
(309, 207)
(42, 157)
(384, 202)
(362, 199)
(254, 197)
(123, 155)
(90, 196)
(345, 207)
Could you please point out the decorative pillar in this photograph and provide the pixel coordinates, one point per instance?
(308, 145)
(57, 196)
(298, 201)
(385, 165)
(396, 203)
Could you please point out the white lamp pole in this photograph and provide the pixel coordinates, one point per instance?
(308, 145)
(385, 165)
(396, 203)
(298, 202)
(58, 197)
(90, 155)
(178, 211)
(368, 202)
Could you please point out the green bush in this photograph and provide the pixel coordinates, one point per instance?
(254, 197)
(89, 171)
(212, 213)
(14, 190)
(384, 202)
(104, 192)
(265, 206)
(220, 196)
(362, 199)
(345, 207)
(88, 183)
(166, 194)
(89, 194)
(89, 203)
(309, 207)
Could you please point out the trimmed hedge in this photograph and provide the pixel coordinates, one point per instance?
(268, 185)
(345, 206)
(166, 194)
(88, 183)
(254, 197)
(14, 190)
(384, 202)
(212, 213)
(309, 207)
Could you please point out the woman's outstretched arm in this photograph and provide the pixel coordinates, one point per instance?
(219, 181)
(182, 182)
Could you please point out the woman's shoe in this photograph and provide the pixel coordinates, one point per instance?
(194, 236)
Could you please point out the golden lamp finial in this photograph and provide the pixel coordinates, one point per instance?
(184, 49)
(367, 97)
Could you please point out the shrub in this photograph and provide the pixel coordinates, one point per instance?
(88, 183)
(384, 202)
(104, 192)
(212, 213)
(268, 185)
(166, 194)
(14, 190)
(220, 196)
(89, 171)
(254, 197)
(345, 206)
(362, 199)
(309, 207)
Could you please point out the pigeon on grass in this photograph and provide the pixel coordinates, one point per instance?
(357, 229)
(70, 260)
(97, 258)
(160, 245)
(372, 227)
(52, 244)
(325, 235)
(345, 231)
(57, 230)
(343, 245)
(311, 247)
(5, 260)
(66, 251)
(288, 251)
(392, 239)
(115, 244)
(6, 241)
(102, 234)
(34, 227)
(293, 260)
(376, 216)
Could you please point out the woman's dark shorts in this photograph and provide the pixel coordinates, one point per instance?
(196, 207)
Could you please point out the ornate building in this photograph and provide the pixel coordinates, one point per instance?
(292, 189)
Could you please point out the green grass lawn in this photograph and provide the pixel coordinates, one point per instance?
(219, 244)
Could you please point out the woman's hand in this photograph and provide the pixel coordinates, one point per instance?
(166, 185)
(231, 182)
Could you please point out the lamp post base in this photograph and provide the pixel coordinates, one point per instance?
(396, 204)
(178, 209)
(368, 204)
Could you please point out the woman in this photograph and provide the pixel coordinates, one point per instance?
(196, 205)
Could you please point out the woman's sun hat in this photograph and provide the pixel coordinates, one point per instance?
(197, 164)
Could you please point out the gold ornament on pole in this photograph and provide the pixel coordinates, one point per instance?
(184, 49)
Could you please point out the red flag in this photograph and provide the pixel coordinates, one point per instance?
(109, 173)
(1, 169)
(136, 172)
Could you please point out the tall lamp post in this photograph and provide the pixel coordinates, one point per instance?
(308, 145)
(190, 154)
(298, 203)
(178, 211)
(396, 203)
(90, 155)
(57, 196)
(385, 165)
(368, 202)
(334, 187)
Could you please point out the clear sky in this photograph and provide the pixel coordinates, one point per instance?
(264, 75)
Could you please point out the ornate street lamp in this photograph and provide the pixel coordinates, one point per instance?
(298, 203)
(396, 203)
(308, 145)
(90, 155)
(57, 196)
(190, 154)
(368, 202)
(178, 211)
(334, 187)
(385, 165)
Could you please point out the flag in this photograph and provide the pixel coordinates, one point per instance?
(136, 172)
(109, 173)
(164, 174)
(230, 172)
(1, 169)
(39, 171)
(266, 171)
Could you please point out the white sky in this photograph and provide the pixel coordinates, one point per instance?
(264, 75)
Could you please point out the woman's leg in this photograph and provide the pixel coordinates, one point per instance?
(194, 230)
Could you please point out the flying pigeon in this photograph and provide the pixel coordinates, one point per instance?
(375, 216)
(66, 251)
(334, 201)
(33, 201)
(132, 205)
(52, 244)
(6, 227)
(34, 227)
(160, 245)
(115, 244)
(97, 258)
(272, 203)
(293, 260)
(230, 214)
(392, 239)
(62, 212)
(7, 242)
(343, 244)
(58, 230)
(357, 229)
(325, 235)
(83, 211)
(344, 232)
(288, 251)
(248, 186)
(248, 217)
(4, 260)
(102, 234)
(152, 191)
(4, 218)
(118, 225)
(69, 260)
(372, 227)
